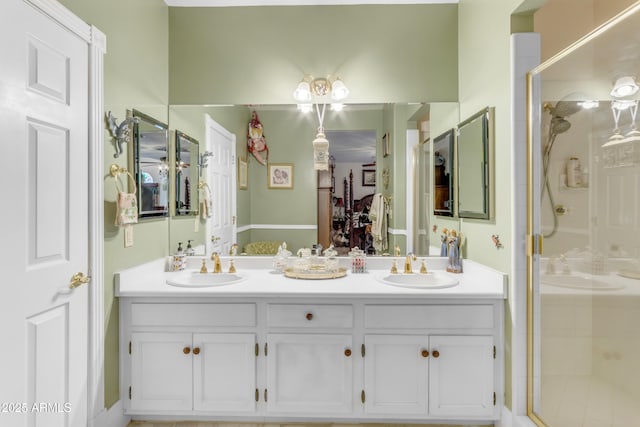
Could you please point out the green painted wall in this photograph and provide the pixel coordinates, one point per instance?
(136, 70)
(256, 55)
(484, 74)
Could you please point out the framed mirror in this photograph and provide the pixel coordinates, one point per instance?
(187, 175)
(473, 166)
(148, 159)
(443, 174)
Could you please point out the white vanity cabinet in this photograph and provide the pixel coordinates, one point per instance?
(422, 368)
(185, 370)
(302, 354)
(309, 359)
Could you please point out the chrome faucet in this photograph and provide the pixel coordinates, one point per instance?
(408, 269)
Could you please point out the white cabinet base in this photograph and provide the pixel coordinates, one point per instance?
(312, 359)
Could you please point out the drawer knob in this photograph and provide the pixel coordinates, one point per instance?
(436, 353)
(186, 350)
(347, 352)
(309, 316)
(425, 353)
(196, 350)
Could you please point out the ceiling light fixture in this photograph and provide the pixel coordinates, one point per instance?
(319, 92)
(624, 86)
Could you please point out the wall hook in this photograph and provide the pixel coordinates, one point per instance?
(203, 159)
(119, 133)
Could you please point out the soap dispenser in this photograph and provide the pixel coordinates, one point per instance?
(190, 251)
(179, 259)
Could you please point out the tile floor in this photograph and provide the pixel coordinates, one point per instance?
(586, 401)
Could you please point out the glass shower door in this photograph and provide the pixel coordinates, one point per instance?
(584, 270)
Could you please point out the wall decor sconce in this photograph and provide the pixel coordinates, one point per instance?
(317, 93)
(120, 133)
(204, 159)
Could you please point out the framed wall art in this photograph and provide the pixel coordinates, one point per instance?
(280, 175)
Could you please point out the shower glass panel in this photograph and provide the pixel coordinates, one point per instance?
(584, 225)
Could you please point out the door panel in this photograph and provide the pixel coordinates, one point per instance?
(44, 118)
(461, 382)
(309, 374)
(396, 374)
(221, 173)
(224, 372)
(161, 371)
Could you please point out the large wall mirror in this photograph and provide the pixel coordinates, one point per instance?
(443, 174)
(148, 158)
(474, 168)
(187, 175)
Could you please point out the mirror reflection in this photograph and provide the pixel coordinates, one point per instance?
(150, 165)
(186, 189)
(443, 174)
(296, 215)
(473, 137)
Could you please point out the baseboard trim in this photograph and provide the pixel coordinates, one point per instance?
(112, 417)
(511, 420)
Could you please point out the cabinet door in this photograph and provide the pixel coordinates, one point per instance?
(224, 372)
(309, 374)
(396, 374)
(461, 376)
(161, 371)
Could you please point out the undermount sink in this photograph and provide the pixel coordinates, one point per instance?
(586, 282)
(431, 280)
(195, 279)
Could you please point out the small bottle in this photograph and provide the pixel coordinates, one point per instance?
(179, 259)
(190, 251)
(574, 173)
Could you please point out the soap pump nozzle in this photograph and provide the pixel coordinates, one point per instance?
(179, 251)
(190, 250)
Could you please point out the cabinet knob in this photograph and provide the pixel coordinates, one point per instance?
(425, 353)
(186, 350)
(436, 353)
(347, 352)
(196, 350)
(309, 316)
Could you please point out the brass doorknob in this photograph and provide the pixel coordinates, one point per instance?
(196, 350)
(78, 279)
(186, 350)
(436, 353)
(347, 352)
(309, 316)
(425, 353)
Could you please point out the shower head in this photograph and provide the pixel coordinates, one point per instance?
(559, 125)
(563, 108)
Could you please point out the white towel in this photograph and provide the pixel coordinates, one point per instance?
(205, 200)
(378, 216)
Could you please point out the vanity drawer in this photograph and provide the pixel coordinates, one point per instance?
(195, 314)
(429, 316)
(309, 316)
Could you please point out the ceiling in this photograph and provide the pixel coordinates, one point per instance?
(228, 3)
(352, 146)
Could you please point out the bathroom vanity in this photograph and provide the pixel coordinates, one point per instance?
(272, 348)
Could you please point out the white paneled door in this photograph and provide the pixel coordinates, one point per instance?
(44, 228)
(221, 175)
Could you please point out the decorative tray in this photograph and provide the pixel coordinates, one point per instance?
(315, 274)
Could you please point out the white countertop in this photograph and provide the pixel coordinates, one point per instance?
(149, 280)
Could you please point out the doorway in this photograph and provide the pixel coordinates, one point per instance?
(353, 184)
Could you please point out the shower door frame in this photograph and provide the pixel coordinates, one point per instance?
(534, 235)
